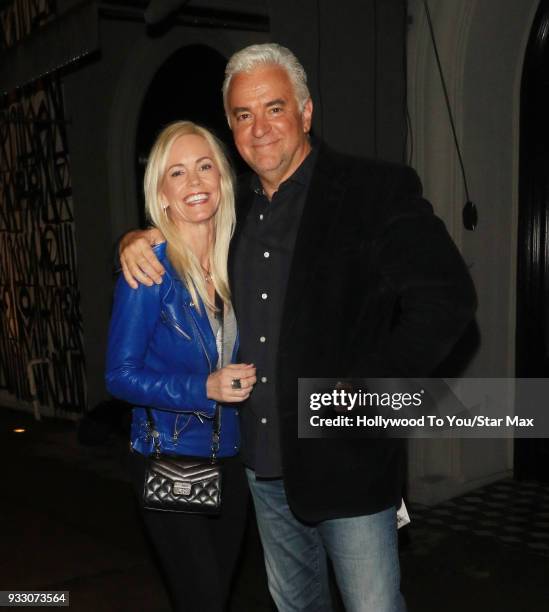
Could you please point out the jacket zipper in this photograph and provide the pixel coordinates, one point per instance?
(176, 432)
(198, 414)
(170, 321)
(202, 343)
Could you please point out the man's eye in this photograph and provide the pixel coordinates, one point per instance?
(242, 116)
(276, 109)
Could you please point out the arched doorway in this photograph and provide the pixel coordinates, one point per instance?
(186, 86)
(532, 455)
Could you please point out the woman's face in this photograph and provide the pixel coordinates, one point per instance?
(190, 186)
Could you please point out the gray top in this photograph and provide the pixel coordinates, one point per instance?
(229, 334)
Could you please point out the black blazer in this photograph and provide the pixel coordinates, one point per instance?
(376, 289)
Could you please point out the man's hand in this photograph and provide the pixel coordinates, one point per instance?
(221, 388)
(139, 263)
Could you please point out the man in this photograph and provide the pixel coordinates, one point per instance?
(339, 269)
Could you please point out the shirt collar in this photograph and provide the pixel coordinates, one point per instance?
(301, 176)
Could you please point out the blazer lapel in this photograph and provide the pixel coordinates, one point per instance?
(320, 210)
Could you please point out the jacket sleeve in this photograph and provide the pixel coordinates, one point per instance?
(135, 315)
(418, 263)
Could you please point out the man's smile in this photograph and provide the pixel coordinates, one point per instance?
(262, 145)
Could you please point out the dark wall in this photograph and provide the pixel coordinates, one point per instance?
(354, 54)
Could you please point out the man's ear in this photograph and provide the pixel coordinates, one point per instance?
(307, 115)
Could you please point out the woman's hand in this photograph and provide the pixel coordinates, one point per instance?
(220, 386)
(139, 263)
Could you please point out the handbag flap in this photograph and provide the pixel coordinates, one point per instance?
(183, 469)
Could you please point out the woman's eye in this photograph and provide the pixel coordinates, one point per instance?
(176, 173)
(207, 166)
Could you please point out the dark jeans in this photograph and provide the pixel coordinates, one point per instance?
(198, 553)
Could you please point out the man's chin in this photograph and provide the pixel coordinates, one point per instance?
(265, 166)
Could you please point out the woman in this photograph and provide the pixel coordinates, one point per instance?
(165, 352)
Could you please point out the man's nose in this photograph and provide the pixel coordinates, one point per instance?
(261, 126)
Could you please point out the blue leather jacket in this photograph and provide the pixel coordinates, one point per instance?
(161, 350)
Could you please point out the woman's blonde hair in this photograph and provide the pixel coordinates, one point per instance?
(182, 258)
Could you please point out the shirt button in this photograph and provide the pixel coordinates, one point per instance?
(264, 296)
(264, 420)
(266, 254)
(261, 217)
(263, 379)
(262, 339)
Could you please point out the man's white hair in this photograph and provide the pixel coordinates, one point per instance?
(268, 54)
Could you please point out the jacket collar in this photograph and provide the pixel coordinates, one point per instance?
(200, 319)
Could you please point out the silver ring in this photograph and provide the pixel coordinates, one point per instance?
(236, 383)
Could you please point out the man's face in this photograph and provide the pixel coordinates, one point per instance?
(270, 132)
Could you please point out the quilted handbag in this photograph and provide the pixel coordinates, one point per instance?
(182, 484)
(175, 483)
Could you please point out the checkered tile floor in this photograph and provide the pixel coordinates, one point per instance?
(516, 513)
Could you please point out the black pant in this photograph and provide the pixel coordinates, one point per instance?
(198, 553)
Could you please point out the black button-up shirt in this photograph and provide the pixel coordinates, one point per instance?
(262, 261)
